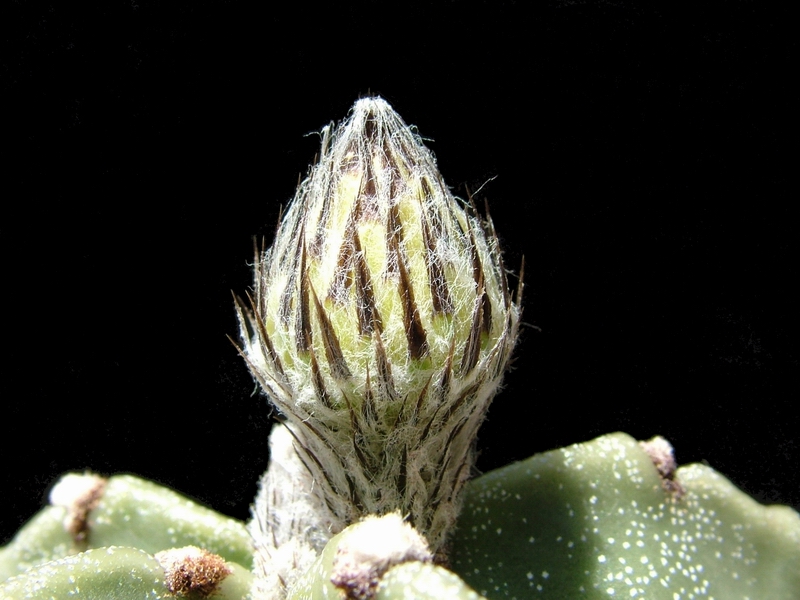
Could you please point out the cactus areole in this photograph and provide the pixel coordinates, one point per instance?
(380, 327)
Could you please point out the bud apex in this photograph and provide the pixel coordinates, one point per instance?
(381, 325)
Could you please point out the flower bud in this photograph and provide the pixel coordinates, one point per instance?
(381, 325)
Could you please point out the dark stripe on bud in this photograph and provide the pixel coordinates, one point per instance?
(385, 379)
(318, 381)
(447, 372)
(369, 319)
(415, 332)
(394, 231)
(368, 188)
(480, 282)
(472, 348)
(302, 332)
(318, 241)
(440, 295)
(356, 434)
(494, 249)
(330, 342)
(420, 399)
(267, 349)
(343, 274)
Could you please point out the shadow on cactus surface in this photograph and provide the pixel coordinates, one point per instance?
(380, 324)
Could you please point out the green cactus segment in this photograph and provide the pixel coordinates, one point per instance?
(134, 513)
(759, 545)
(315, 583)
(41, 539)
(141, 514)
(103, 573)
(237, 585)
(110, 574)
(593, 521)
(411, 580)
(423, 581)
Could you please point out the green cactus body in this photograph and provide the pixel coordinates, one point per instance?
(142, 514)
(593, 520)
(96, 574)
(113, 573)
(423, 581)
(131, 512)
(41, 539)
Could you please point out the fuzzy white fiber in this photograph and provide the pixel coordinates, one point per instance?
(289, 526)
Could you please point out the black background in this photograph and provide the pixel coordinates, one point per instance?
(642, 160)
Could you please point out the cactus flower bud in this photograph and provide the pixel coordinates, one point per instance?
(380, 326)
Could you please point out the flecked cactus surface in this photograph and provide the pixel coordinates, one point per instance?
(130, 512)
(596, 520)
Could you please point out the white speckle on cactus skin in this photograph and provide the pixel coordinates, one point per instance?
(633, 538)
(89, 575)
